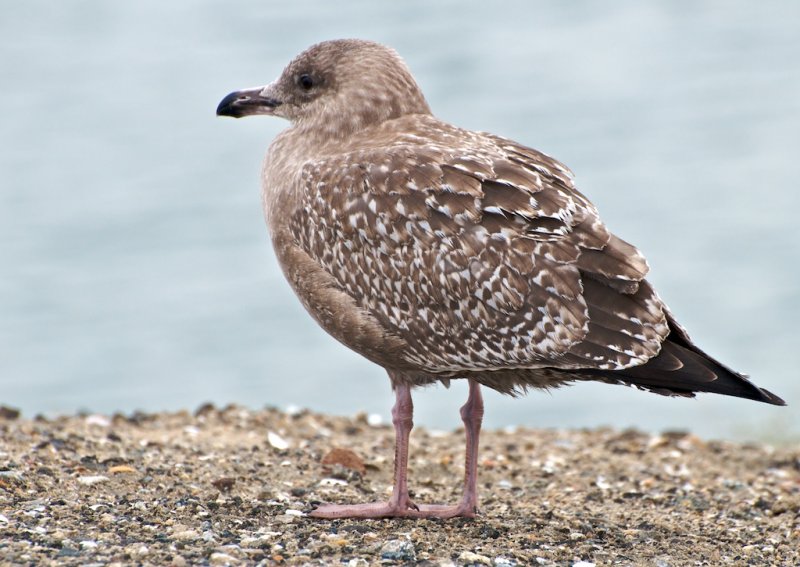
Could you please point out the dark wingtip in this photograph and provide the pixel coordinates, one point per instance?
(770, 398)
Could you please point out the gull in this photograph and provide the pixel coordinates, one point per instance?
(441, 253)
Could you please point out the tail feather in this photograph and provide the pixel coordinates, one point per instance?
(681, 369)
(693, 373)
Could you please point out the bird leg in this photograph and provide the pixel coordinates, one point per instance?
(472, 416)
(400, 504)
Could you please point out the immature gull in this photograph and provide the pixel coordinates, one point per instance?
(442, 253)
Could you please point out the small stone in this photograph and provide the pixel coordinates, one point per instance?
(97, 420)
(67, 551)
(583, 564)
(277, 441)
(332, 482)
(602, 483)
(137, 549)
(9, 413)
(398, 550)
(224, 484)
(186, 535)
(12, 475)
(471, 558)
(293, 410)
(120, 469)
(88, 544)
(92, 479)
(345, 458)
(204, 409)
(218, 558)
(501, 561)
(191, 431)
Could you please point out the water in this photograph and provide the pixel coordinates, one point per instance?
(136, 270)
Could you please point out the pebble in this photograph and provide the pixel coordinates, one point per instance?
(13, 475)
(137, 549)
(92, 479)
(98, 420)
(224, 484)
(277, 441)
(191, 431)
(344, 457)
(398, 550)
(471, 558)
(293, 410)
(9, 413)
(218, 558)
(186, 535)
(68, 551)
(332, 482)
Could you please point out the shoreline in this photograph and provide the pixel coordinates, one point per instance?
(231, 487)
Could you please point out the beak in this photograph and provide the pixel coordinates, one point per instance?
(248, 101)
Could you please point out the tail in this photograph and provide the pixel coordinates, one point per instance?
(681, 369)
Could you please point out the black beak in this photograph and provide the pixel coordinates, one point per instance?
(246, 102)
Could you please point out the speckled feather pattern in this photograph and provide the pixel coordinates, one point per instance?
(474, 250)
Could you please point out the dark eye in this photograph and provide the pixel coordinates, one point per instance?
(305, 81)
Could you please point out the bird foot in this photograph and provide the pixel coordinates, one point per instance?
(393, 510)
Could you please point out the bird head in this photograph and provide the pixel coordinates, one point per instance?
(342, 86)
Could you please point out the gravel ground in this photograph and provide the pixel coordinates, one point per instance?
(230, 487)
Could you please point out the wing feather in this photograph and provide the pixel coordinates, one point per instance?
(480, 257)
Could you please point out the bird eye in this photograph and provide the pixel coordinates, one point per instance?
(305, 81)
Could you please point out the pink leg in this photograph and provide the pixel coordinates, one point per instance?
(403, 420)
(400, 505)
(472, 415)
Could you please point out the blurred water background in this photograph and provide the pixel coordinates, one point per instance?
(135, 269)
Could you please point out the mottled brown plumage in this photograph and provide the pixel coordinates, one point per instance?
(441, 253)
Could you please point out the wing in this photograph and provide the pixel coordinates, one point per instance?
(480, 254)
